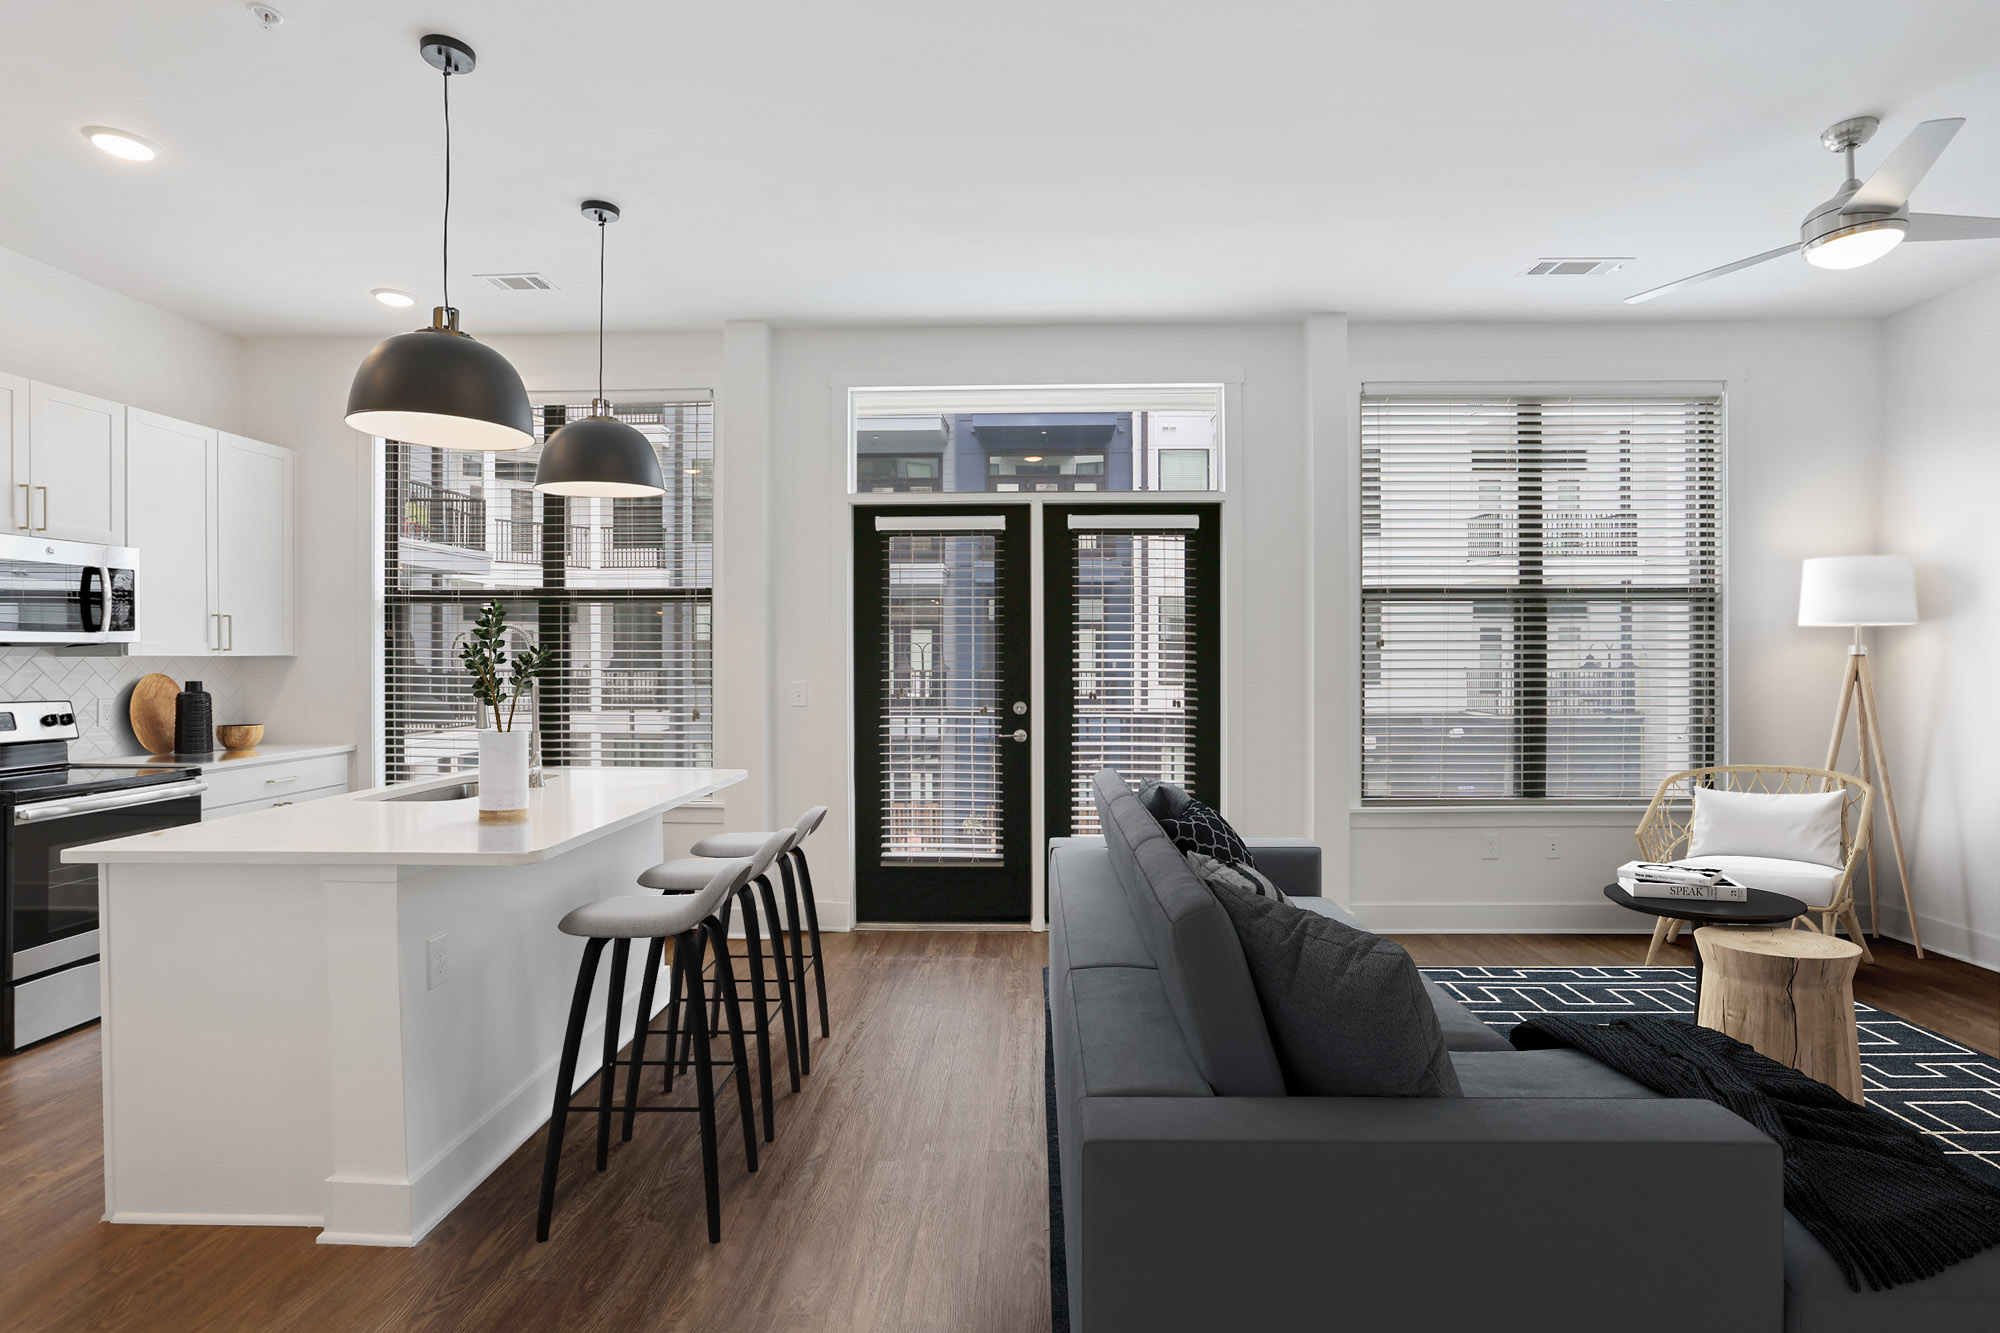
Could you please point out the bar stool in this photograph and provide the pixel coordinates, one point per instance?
(689, 920)
(728, 845)
(689, 874)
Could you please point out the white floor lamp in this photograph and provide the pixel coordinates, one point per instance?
(1860, 590)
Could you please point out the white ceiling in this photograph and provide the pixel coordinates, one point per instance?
(911, 160)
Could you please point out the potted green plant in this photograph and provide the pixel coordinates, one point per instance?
(498, 682)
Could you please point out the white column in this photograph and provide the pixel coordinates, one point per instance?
(742, 642)
(1330, 410)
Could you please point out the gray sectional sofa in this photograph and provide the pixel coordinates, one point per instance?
(1556, 1194)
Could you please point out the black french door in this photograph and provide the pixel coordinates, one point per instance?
(943, 786)
(1133, 644)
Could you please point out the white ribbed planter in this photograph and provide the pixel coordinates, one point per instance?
(503, 776)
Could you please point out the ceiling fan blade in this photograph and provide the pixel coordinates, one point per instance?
(1712, 273)
(1889, 188)
(1951, 227)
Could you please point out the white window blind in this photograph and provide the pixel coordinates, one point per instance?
(1540, 594)
(621, 590)
(1131, 664)
(941, 707)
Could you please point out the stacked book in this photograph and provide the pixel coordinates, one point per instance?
(1652, 879)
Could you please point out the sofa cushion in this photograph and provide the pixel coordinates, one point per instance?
(1512, 1073)
(1163, 800)
(1964, 1298)
(1811, 884)
(1463, 1030)
(1248, 878)
(1090, 921)
(1193, 945)
(1791, 826)
(1326, 907)
(1346, 1009)
(1127, 1036)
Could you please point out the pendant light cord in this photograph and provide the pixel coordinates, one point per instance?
(445, 261)
(600, 309)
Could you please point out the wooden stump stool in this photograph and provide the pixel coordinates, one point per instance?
(1787, 994)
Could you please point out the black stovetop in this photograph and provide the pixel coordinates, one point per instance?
(60, 780)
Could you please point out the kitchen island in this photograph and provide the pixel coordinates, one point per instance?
(347, 1014)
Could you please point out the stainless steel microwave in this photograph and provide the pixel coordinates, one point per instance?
(67, 592)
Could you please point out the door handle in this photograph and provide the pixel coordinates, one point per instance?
(45, 509)
(27, 503)
(1020, 734)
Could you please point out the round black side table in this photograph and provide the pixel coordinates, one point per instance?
(1760, 907)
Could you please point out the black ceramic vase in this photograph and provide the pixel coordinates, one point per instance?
(194, 720)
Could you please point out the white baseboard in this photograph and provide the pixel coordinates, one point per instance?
(1953, 940)
(1567, 917)
(213, 1220)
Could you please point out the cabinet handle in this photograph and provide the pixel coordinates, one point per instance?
(274, 782)
(276, 804)
(230, 621)
(45, 509)
(27, 503)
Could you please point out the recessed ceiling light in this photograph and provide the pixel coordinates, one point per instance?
(692, 471)
(129, 147)
(390, 296)
(1032, 458)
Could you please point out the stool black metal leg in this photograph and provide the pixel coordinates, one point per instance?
(614, 1004)
(795, 930)
(579, 1009)
(762, 1016)
(764, 895)
(725, 980)
(704, 1082)
(676, 989)
(812, 928)
(640, 1029)
(715, 1005)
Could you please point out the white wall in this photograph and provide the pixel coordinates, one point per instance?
(1941, 711)
(1804, 408)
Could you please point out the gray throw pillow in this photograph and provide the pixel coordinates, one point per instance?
(1346, 1009)
(1163, 800)
(1210, 871)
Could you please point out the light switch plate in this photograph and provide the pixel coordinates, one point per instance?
(798, 694)
(434, 962)
(1551, 848)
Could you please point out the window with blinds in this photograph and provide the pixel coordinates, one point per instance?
(620, 590)
(1132, 672)
(1540, 594)
(941, 707)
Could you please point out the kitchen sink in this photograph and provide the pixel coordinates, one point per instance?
(456, 791)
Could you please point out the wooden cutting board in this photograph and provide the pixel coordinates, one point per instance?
(153, 712)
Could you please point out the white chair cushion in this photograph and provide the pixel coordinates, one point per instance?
(1792, 826)
(683, 875)
(638, 916)
(1811, 884)
(731, 845)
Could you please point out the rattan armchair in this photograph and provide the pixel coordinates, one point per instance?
(1663, 832)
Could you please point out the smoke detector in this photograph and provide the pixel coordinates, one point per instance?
(1574, 268)
(517, 282)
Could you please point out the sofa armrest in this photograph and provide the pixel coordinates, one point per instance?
(1291, 863)
(1444, 1214)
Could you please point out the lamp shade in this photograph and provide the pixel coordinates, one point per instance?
(599, 455)
(442, 388)
(1858, 590)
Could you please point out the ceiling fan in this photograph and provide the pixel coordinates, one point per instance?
(1866, 220)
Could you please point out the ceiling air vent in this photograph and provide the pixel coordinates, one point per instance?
(1574, 268)
(517, 282)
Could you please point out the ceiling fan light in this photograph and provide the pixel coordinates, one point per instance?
(1863, 243)
(599, 455)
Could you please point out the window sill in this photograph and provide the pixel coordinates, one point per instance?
(1512, 815)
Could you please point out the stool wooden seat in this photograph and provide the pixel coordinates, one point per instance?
(1788, 994)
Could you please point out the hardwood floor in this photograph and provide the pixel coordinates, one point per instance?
(906, 1189)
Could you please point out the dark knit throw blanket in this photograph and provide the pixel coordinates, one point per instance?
(1884, 1200)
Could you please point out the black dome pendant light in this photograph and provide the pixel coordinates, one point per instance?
(599, 454)
(438, 386)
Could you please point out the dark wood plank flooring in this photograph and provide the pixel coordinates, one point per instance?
(906, 1189)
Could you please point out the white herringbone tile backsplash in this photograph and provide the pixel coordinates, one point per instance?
(37, 673)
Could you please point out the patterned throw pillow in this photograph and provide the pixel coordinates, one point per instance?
(1198, 828)
(1247, 878)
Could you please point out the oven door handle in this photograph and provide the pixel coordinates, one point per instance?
(115, 800)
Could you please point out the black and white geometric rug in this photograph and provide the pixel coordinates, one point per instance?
(1932, 1083)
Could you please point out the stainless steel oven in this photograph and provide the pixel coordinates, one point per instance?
(67, 592)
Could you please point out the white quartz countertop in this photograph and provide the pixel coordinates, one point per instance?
(270, 752)
(578, 805)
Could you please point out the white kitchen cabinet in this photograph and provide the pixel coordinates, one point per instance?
(252, 589)
(170, 514)
(14, 436)
(69, 468)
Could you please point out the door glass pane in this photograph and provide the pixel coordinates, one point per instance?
(1132, 663)
(941, 714)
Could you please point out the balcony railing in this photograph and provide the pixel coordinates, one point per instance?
(519, 542)
(446, 517)
(1565, 532)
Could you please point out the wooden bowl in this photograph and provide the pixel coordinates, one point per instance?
(240, 735)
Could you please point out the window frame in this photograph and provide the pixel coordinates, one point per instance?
(1715, 739)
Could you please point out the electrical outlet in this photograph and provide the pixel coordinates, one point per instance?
(1489, 846)
(1551, 850)
(106, 710)
(798, 694)
(434, 962)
